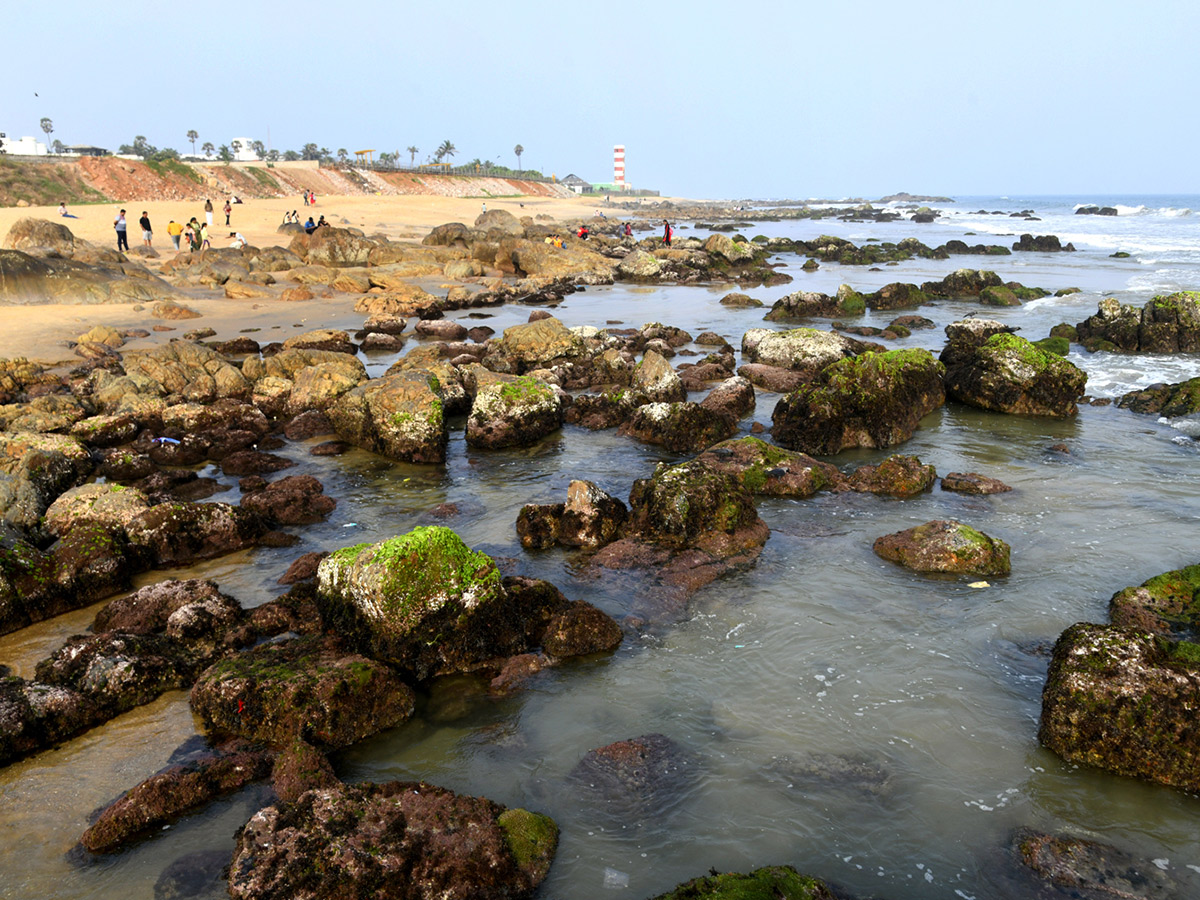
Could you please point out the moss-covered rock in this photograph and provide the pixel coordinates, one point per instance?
(896, 476)
(514, 413)
(307, 688)
(768, 883)
(804, 350)
(1167, 324)
(399, 415)
(1009, 374)
(769, 470)
(945, 546)
(1167, 604)
(1057, 345)
(423, 601)
(998, 296)
(682, 427)
(1181, 399)
(897, 295)
(1124, 700)
(874, 400)
(400, 839)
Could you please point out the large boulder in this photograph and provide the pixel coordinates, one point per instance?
(34, 716)
(513, 413)
(681, 427)
(399, 415)
(400, 839)
(1124, 700)
(639, 266)
(177, 534)
(729, 250)
(40, 237)
(294, 500)
(338, 247)
(424, 602)
(803, 350)
(1167, 324)
(110, 504)
(31, 280)
(946, 546)
(305, 688)
(534, 345)
(498, 220)
(1009, 374)
(875, 400)
(1171, 400)
(897, 295)
(192, 371)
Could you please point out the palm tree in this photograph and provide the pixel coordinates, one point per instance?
(237, 147)
(259, 149)
(412, 155)
(58, 146)
(208, 148)
(518, 150)
(309, 151)
(342, 155)
(192, 135)
(47, 126)
(224, 153)
(444, 150)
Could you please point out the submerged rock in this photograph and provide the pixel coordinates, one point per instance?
(768, 470)
(769, 883)
(636, 778)
(400, 839)
(1123, 700)
(945, 546)
(1090, 870)
(973, 483)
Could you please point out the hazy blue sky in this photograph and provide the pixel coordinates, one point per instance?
(711, 99)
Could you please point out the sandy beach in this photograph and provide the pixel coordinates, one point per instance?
(40, 332)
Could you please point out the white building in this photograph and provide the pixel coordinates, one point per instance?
(245, 152)
(25, 146)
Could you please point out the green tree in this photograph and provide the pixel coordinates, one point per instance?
(518, 150)
(291, 156)
(342, 155)
(259, 148)
(58, 147)
(192, 136)
(412, 155)
(208, 148)
(47, 126)
(236, 146)
(224, 154)
(310, 151)
(273, 156)
(445, 150)
(324, 155)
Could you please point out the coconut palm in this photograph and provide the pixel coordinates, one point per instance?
(237, 147)
(259, 149)
(518, 150)
(192, 135)
(47, 126)
(342, 155)
(412, 155)
(444, 150)
(208, 148)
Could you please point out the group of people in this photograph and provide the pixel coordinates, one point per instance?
(293, 218)
(194, 232)
(122, 229)
(310, 198)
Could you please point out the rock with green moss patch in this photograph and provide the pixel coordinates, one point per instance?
(423, 601)
(1059, 346)
(514, 413)
(810, 304)
(769, 883)
(962, 284)
(176, 534)
(400, 416)
(1088, 870)
(310, 689)
(874, 400)
(1009, 374)
(1181, 399)
(896, 476)
(998, 296)
(400, 839)
(1124, 700)
(802, 350)
(945, 546)
(1167, 324)
(109, 504)
(769, 470)
(897, 295)
(1167, 604)
(540, 344)
(657, 380)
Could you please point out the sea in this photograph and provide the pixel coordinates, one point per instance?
(868, 725)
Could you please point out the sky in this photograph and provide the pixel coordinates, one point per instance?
(711, 99)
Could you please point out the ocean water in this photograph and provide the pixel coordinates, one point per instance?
(820, 652)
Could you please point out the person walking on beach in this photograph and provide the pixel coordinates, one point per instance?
(122, 236)
(305, 196)
(666, 233)
(174, 230)
(204, 242)
(228, 210)
(208, 210)
(147, 231)
(312, 198)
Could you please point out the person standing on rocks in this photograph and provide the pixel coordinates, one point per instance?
(122, 236)
(208, 211)
(666, 232)
(147, 231)
(228, 210)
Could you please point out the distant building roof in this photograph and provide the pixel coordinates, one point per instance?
(86, 150)
(575, 179)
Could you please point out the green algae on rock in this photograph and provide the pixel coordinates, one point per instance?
(1124, 700)
(946, 546)
(1167, 604)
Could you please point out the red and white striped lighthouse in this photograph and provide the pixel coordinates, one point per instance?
(619, 166)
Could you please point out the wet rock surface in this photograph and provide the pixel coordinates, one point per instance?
(945, 546)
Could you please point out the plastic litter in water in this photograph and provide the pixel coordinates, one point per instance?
(164, 440)
(978, 584)
(615, 879)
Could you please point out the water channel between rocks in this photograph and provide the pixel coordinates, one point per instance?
(821, 651)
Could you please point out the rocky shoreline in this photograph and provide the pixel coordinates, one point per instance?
(97, 483)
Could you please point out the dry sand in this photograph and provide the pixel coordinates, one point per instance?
(40, 332)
